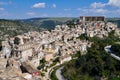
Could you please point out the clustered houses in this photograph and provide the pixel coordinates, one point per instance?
(117, 32)
(24, 52)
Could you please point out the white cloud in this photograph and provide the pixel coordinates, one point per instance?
(93, 11)
(44, 15)
(101, 11)
(113, 13)
(99, 8)
(2, 9)
(79, 9)
(67, 9)
(31, 13)
(115, 3)
(54, 6)
(39, 5)
(5, 3)
(98, 5)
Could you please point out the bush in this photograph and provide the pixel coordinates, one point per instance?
(116, 49)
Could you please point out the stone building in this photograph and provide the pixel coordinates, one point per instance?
(92, 18)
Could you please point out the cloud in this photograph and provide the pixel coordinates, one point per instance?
(54, 6)
(31, 13)
(67, 9)
(92, 11)
(113, 13)
(101, 11)
(39, 5)
(5, 3)
(2, 9)
(44, 15)
(109, 9)
(115, 3)
(98, 5)
(79, 9)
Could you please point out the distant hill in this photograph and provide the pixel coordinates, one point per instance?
(114, 20)
(14, 27)
(51, 22)
(47, 23)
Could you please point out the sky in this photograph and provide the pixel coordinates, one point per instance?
(23, 9)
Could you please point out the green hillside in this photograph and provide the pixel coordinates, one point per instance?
(114, 20)
(14, 27)
(47, 23)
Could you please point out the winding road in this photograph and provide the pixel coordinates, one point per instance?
(107, 49)
(48, 73)
(59, 75)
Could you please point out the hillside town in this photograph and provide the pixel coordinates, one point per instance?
(23, 54)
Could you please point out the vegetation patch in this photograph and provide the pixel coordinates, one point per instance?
(97, 64)
(115, 48)
(53, 74)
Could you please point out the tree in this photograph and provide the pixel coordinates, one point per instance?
(17, 40)
(116, 49)
(96, 64)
